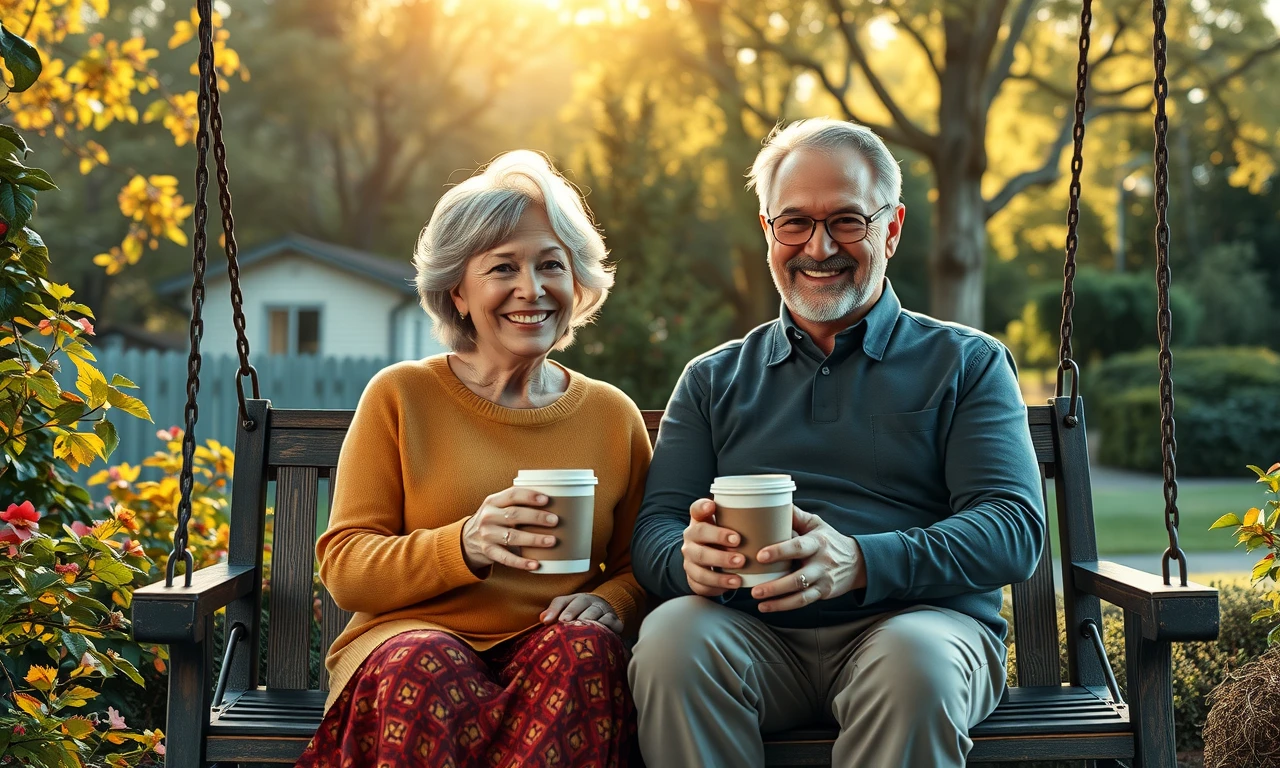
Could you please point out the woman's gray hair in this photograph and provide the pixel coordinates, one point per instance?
(480, 214)
(825, 133)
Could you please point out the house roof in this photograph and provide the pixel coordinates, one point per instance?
(398, 275)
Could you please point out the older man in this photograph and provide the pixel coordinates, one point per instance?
(918, 497)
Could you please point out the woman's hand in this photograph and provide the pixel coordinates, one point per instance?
(490, 533)
(582, 607)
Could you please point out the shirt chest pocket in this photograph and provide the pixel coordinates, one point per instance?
(906, 449)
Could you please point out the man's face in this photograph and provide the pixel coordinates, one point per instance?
(823, 280)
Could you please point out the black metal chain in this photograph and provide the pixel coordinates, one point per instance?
(1164, 317)
(233, 263)
(1065, 362)
(198, 262)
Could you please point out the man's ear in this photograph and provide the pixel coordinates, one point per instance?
(894, 233)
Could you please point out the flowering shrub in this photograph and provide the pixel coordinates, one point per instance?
(150, 508)
(55, 631)
(1258, 529)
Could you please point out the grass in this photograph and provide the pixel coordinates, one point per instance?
(1130, 520)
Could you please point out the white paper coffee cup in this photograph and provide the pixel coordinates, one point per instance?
(571, 494)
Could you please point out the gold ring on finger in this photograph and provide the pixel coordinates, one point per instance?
(506, 538)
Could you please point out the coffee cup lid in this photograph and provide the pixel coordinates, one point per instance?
(556, 477)
(752, 484)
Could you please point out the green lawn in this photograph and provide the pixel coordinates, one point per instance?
(1130, 520)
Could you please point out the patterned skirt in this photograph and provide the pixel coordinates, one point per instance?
(554, 696)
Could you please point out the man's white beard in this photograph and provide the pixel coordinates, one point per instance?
(826, 306)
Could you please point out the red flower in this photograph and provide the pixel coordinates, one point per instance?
(85, 325)
(67, 568)
(131, 547)
(22, 519)
(19, 730)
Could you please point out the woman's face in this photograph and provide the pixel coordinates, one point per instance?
(519, 295)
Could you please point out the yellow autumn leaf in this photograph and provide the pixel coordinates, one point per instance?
(29, 704)
(77, 727)
(42, 678)
(1251, 517)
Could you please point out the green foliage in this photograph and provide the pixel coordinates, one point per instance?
(54, 610)
(1232, 291)
(62, 638)
(1226, 410)
(1115, 313)
(663, 310)
(1255, 529)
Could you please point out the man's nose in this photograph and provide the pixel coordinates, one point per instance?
(820, 246)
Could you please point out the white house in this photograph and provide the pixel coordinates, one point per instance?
(307, 297)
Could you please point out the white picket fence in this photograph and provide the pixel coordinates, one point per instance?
(303, 381)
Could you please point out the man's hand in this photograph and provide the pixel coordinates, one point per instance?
(704, 548)
(830, 565)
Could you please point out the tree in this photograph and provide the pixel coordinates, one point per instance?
(959, 63)
(89, 84)
(408, 84)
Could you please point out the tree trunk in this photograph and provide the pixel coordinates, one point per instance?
(754, 298)
(959, 247)
(960, 219)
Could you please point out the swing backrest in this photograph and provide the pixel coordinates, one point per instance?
(297, 450)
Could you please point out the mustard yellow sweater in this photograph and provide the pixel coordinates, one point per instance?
(422, 454)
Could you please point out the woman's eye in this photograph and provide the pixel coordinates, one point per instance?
(503, 268)
(553, 265)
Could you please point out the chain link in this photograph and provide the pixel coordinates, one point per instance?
(233, 263)
(1164, 318)
(1065, 363)
(191, 413)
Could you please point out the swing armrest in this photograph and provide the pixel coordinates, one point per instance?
(178, 614)
(1169, 613)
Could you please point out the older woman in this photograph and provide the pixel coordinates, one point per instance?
(460, 653)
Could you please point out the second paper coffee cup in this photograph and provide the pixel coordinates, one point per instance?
(757, 508)
(572, 498)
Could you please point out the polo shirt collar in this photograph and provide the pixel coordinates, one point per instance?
(876, 328)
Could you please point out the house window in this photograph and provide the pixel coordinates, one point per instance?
(293, 331)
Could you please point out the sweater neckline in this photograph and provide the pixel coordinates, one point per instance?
(564, 406)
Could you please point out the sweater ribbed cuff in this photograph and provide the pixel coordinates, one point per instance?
(447, 545)
(621, 599)
(884, 556)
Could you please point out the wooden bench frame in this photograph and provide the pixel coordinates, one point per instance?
(1041, 719)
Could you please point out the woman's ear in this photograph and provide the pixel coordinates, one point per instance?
(459, 302)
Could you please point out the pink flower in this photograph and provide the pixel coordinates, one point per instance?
(85, 325)
(10, 537)
(45, 327)
(131, 547)
(71, 568)
(116, 719)
(81, 529)
(22, 519)
(160, 749)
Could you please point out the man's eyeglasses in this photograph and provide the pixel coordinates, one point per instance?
(844, 228)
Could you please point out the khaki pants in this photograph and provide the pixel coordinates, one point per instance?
(904, 687)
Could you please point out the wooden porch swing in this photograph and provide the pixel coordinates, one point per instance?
(245, 718)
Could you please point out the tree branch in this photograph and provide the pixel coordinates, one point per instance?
(1253, 58)
(909, 134)
(918, 37)
(1049, 170)
(1000, 72)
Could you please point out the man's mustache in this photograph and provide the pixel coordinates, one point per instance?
(826, 265)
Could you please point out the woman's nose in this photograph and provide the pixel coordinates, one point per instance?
(530, 286)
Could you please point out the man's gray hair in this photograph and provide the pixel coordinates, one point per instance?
(827, 134)
(480, 214)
